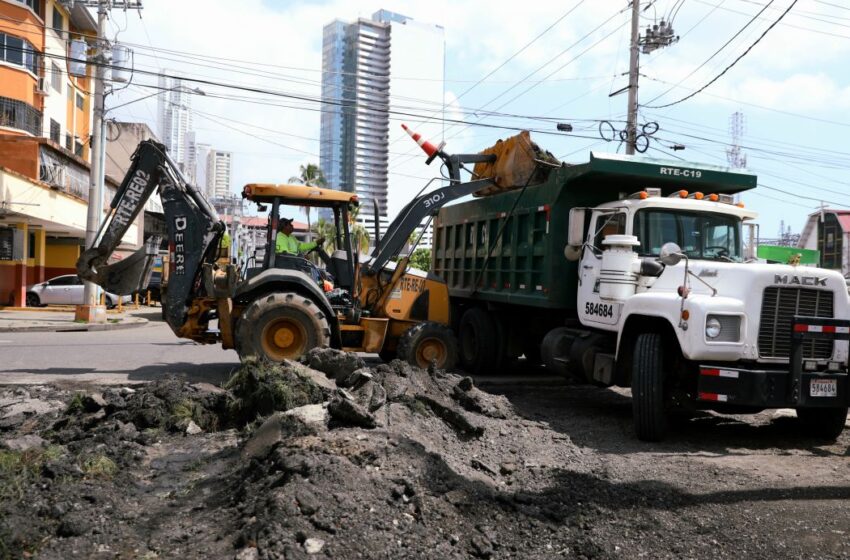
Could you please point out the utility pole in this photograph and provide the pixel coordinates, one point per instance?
(631, 123)
(91, 311)
(97, 146)
(656, 37)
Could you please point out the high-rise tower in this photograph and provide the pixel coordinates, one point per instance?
(372, 69)
(175, 119)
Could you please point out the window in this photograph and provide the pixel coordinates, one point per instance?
(78, 149)
(700, 235)
(63, 281)
(34, 5)
(68, 141)
(56, 77)
(80, 102)
(58, 21)
(19, 52)
(14, 50)
(613, 224)
(830, 242)
(31, 246)
(55, 131)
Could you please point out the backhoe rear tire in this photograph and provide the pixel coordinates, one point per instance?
(428, 343)
(281, 326)
(648, 395)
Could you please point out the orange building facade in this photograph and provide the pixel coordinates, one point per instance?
(45, 127)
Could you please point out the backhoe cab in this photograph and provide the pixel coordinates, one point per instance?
(286, 304)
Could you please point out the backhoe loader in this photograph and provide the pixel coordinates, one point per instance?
(283, 306)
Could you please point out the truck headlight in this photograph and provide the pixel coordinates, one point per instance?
(712, 327)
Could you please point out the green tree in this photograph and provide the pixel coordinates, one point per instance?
(421, 259)
(312, 176)
(358, 231)
(326, 229)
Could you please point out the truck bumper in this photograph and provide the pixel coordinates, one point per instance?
(793, 388)
(772, 388)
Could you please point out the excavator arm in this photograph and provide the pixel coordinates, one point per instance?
(194, 232)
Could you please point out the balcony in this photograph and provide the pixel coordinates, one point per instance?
(20, 115)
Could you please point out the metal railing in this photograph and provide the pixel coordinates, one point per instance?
(20, 115)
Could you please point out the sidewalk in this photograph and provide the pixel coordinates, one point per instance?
(61, 319)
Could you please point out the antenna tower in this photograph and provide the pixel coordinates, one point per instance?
(737, 159)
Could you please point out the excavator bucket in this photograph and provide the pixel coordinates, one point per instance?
(519, 163)
(129, 275)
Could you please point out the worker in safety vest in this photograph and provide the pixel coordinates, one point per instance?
(286, 244)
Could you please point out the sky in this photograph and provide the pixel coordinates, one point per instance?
(511, 66)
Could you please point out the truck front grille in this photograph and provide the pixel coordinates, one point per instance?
(779, 305)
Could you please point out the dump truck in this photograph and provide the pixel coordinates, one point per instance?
(636, 272)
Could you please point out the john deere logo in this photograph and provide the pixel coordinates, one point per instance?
(799, 280)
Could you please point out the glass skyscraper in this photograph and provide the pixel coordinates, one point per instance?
(370, 66)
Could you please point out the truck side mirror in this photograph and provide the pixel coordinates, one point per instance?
(670, 254)
(575, 235)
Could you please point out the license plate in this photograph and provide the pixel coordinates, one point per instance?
(823, 388)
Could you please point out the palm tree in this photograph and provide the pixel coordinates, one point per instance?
(326, 229)
(312, 176)
(358, 230)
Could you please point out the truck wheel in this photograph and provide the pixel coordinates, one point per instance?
(479, 342)
(648, 406)
(823, 423)
(281, 326)
(428, 343)
(556, 344)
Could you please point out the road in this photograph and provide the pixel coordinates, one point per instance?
(110, 357)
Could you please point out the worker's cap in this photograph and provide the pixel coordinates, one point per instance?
(285, 222)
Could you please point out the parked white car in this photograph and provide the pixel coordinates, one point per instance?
(64, 290)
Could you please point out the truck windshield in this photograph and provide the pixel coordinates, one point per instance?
(700, 235)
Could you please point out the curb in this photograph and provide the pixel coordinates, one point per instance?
(77, 327)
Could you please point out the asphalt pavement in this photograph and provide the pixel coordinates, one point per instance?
(121, 356)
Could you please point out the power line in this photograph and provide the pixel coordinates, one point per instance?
(734, 62)
(413, 150)
(706, 61)
(786, 24)
(756, 105)
(306, 98)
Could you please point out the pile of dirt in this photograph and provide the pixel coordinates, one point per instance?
(335, 457)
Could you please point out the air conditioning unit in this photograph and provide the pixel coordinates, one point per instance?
(43, 86)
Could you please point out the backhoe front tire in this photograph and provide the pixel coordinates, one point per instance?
(428, 343)
(281, 326)
(648, 399)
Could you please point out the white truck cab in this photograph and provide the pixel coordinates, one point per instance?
(697, 319)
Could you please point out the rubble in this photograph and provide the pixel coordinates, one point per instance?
(378, 461)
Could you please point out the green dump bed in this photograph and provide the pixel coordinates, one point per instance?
(526, 265)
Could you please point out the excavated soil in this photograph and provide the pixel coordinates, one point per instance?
(339, 459)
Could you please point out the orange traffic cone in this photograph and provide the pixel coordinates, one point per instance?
(427, 147)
